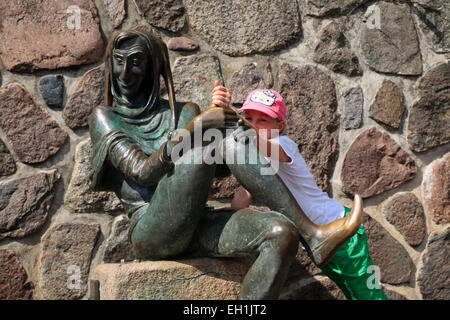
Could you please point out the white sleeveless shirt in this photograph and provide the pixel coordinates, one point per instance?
(316, 204)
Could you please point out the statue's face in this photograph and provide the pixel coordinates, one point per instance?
(130, 63)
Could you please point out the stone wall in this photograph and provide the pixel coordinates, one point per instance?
(367, 85)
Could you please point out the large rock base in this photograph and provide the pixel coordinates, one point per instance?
(190, 279)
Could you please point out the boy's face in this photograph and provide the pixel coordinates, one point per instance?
(263, 123)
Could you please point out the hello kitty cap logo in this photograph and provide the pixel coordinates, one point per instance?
(266, 101)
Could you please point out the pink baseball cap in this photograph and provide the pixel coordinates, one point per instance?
(266, 101)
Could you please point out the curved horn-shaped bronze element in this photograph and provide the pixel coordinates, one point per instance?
(329, 238)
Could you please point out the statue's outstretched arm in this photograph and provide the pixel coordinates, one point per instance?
(112, 144)
(145, 170)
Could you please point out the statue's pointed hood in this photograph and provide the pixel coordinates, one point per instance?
(160, 65)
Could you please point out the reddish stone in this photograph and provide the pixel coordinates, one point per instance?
(436, 189)
(14, 282)
(49, 34)
(406, 213)
(34, 135)
(25, 204)
(388, 107)
(182, 44)
(375, 163)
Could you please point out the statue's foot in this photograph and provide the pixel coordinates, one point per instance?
(329, 238)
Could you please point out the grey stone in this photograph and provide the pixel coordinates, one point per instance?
(388, 107)
(80, 197)
(434, 20)
(406, 213)
(324, 8)
(116, 11)
(25, 204)
(48, 34)
(194, 77)
(186, 279)
(244, 81)
(66, 254)
(375, 163)
(353, 108)
(14, 281)
(33, 134)
(334, 51)
(388, 41)
(239, 28)
(395, 265)
(87, 95)
(52, 90)
(118, 247)
(429, 116)
(7, 163)
(434, 275)
(312, 118)
(168, 14)
(435, 189)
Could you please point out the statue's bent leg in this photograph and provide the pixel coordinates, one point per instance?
(321, 242)
(267, 236)
(164, 227)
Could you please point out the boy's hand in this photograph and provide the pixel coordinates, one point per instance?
(221, 96)
(241, 199)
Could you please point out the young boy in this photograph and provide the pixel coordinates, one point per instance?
(265, 110)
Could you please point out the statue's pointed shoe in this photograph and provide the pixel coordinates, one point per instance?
(327, 239)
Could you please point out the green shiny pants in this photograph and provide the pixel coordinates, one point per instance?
(350, 269)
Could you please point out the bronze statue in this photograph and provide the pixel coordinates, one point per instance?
(133, 136)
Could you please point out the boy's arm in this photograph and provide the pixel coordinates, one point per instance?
(241, 199)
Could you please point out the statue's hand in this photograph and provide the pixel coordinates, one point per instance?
(244, 135)
(214, 117)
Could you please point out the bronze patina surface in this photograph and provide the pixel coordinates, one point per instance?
(133, 135)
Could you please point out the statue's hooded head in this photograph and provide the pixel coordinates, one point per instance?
(135, 60)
